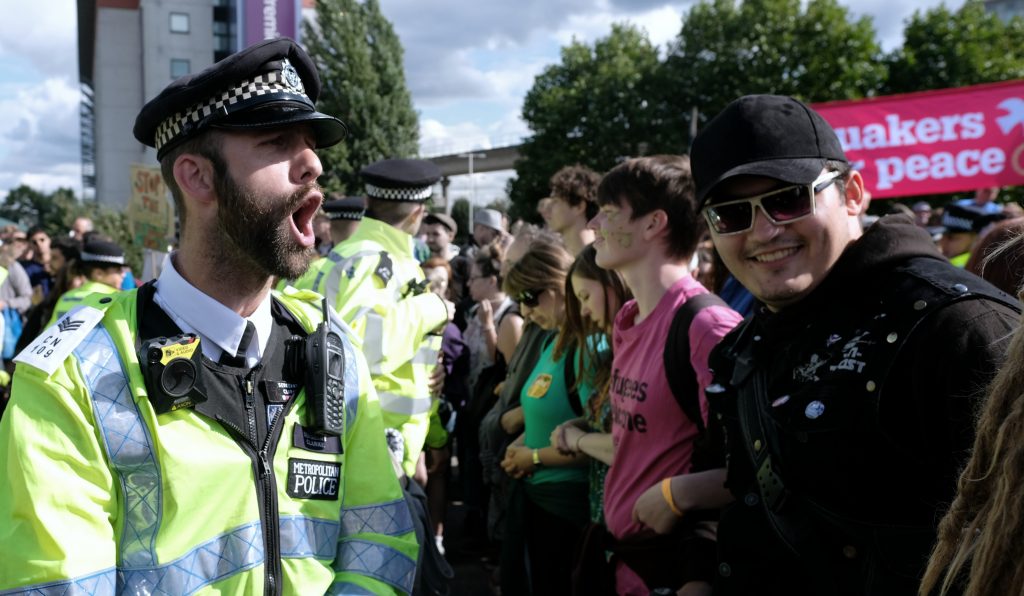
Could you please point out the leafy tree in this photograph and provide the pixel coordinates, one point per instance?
(594, 108)
(942, 48)
(460, 213)
(363, 83)
(726, 50)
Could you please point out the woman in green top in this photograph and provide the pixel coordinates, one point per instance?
(593, 296)
(548, 508)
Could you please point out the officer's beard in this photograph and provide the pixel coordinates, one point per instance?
(256, 232)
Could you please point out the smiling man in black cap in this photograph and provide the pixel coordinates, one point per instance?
(376, 283)
(848, 397)
(202, 432)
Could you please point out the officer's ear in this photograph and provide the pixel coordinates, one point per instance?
(195, 177)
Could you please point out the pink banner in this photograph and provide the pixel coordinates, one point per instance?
(267, 19)
(934, 142)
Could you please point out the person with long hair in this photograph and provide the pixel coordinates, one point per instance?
(979, 548)
(547, 509)
(593, 295)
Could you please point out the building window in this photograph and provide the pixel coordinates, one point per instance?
(180, 68)
(179, 22)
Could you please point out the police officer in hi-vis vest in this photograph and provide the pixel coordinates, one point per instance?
(375, 282)
(204, 434)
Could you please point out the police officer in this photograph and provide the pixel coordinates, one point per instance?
(101, 263)
(376, 283)
(344, 215)
(848, 397)
(173, 439)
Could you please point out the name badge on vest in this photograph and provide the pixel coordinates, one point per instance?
(310, 441)
(309, 479)
(279, 391)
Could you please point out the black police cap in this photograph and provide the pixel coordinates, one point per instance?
(351, 208)
(410, 180)
(272, 83)
(102, 252)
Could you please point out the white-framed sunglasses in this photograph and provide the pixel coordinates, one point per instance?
(781, 206)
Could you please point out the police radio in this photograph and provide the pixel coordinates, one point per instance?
(322, 357)
(172, 368)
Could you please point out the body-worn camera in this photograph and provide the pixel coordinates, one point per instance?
(172, 367)
(321, 358)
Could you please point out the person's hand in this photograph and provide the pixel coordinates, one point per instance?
(437, 459)
(485, 314)
(436, 381)
(653, 511)
(572, 435)
(512, 421)
(518, 461)
(450, 307)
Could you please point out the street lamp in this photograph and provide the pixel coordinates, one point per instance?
(472, 183)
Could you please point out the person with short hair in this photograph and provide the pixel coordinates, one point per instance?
(376, 284)
(647, 231)
(203, 433)
(848, 398)
(573, 203)
(36, 267)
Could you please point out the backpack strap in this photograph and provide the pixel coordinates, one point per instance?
(682, 380)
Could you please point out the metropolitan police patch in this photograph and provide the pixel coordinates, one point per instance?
(310, 479)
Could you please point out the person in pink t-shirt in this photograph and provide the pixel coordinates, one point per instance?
(647, 230)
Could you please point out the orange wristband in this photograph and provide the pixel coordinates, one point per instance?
(666, 491)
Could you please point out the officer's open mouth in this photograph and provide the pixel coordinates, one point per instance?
(302, 219)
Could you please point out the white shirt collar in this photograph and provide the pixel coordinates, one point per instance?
(218, 327)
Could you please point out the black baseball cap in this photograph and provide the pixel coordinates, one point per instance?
(763, 135)
(272, 83)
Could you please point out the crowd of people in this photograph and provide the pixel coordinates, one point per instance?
(703, 374)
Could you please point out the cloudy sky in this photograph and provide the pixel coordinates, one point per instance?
(468, 65)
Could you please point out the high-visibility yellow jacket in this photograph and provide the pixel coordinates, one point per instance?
(101, 495)
(75, 296)
(375, 283)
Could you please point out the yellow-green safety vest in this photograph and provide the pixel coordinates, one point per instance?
(376, 285)
(100, 495)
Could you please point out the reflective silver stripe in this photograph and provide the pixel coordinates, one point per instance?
(389, 519)
(377, 561)
(361, 313)
(341, 264)
(129, 446)
(373, 342)
(348, 589)
(224, 556)
(426, 355)
(309, 537)
(400, 404)
(351, 378)
(97, 584)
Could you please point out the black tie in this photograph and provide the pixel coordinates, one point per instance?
(238, 360)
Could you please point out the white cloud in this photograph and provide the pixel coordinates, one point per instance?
(39, 135)
(44, 34)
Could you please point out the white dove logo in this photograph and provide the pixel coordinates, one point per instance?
(1014, 108)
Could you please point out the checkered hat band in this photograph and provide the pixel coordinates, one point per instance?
(952, 221)
(419, 193)
(262, 86)
(88, 256)
(352, 215)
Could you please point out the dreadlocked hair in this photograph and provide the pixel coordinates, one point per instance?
(979, 551)
(586, 334)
